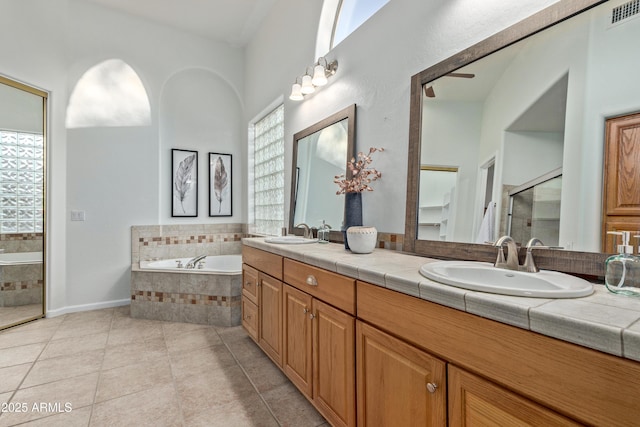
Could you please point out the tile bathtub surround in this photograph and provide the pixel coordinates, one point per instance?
(180, 241)
(112, 369)
(20, 284)
(208, 299)
(21, 242)
(602, 321)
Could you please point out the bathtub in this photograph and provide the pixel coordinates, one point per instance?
(18, 258)
(219, 264)
(210, 295)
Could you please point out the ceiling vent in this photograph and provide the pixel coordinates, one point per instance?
(625, 11)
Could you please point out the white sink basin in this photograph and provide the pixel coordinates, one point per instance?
(484, 277)
(289, 240)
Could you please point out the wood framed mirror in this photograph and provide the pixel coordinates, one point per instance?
(320, 152)
(562, 82)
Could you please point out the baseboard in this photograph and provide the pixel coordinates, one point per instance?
(87, 307)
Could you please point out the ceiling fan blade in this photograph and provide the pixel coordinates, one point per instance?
(428, 91)
(463, 75)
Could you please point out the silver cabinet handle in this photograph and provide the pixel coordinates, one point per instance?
(312, 316)
(432, 387)
(305, 310)
(311, 280)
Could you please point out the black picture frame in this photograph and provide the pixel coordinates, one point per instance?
(220, 184)
(184, 183)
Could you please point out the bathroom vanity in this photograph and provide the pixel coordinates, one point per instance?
(371, 342)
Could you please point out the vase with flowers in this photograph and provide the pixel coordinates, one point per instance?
(362, 175)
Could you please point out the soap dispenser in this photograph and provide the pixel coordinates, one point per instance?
(323, 233)
(622, 271)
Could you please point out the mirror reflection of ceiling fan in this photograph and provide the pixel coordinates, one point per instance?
(430, 93)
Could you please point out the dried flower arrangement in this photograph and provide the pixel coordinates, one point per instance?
(361, 174)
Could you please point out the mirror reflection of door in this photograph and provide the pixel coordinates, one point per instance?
(436, 215)
(22, 189)
(621, 198)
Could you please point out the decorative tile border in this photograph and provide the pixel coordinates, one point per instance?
(21, 236)
(180, 298)
(26, 284)
(182, 240)
(390, 241)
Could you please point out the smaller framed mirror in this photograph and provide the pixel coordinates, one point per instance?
(320, 153)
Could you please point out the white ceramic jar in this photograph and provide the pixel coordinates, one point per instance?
(362, 240)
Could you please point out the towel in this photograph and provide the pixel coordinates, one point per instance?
(486, 228)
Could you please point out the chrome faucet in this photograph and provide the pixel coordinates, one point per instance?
(191, 264)
(512, 262)
(529, 263)
(307, 231)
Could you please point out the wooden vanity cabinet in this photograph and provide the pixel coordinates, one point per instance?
(262, 300)
(398, 384)
(297, 361)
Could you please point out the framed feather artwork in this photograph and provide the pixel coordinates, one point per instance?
(220, 167)
(184, 183)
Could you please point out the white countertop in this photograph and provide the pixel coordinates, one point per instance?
(602, 321)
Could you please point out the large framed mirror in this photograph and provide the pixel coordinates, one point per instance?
(23, 121)
(320, 153)
(521, 118)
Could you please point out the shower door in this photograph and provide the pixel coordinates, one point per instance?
(22, 189)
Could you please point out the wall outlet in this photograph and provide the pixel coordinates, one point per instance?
(77, 215)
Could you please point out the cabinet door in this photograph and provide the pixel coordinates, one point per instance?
(296, 352)
(250, 283)
(270, 326)
(398, 384)
(250, 319)
(474, 401)
(333, 367)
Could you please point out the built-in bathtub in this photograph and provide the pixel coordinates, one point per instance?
(211, 295)
(21, 278)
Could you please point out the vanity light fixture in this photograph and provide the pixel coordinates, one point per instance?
(322, 70)
(296, 91)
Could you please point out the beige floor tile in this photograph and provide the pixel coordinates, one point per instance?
(74, 418)
(291, 408)
(78, 392)
(57, 368)
(18, 355)
(12, 376)
(193, 340)
(4, 397)
(245, 349)
(231, 334)
(50, 322)
(213, 389)
(78, 328)
(69, 346)
(196, 362)
(133, 378)
(90, 316)
(248, 412)
(135, 333)
(13, 338)
(263, 373)
(176, 329)
(157, 407)
(127, 354)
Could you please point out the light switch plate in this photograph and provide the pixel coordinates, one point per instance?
(77, 215)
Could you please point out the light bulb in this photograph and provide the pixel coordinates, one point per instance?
(307, 86)
(319, 76)
(296, 94)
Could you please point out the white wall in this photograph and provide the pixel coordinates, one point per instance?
(118, 176)
(375, 66)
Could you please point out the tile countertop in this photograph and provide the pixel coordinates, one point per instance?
(602, 321)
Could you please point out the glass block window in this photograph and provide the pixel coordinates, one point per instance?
(21, 182)
(268, 173)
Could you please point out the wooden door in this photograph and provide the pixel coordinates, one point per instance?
(398, 384)
(296, 352)
(474, 401)
(333, 364)
(270, 337)
(621, 188)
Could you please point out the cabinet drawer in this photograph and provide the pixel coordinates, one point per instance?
(250, 283)
(332, 288)
(264, 261)
(250, 318)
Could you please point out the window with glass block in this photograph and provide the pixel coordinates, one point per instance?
(21, 182)
(268, 185)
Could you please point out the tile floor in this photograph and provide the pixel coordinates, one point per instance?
(103, 368)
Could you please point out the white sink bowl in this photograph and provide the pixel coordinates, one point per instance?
(484, 277)
(290, 240)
